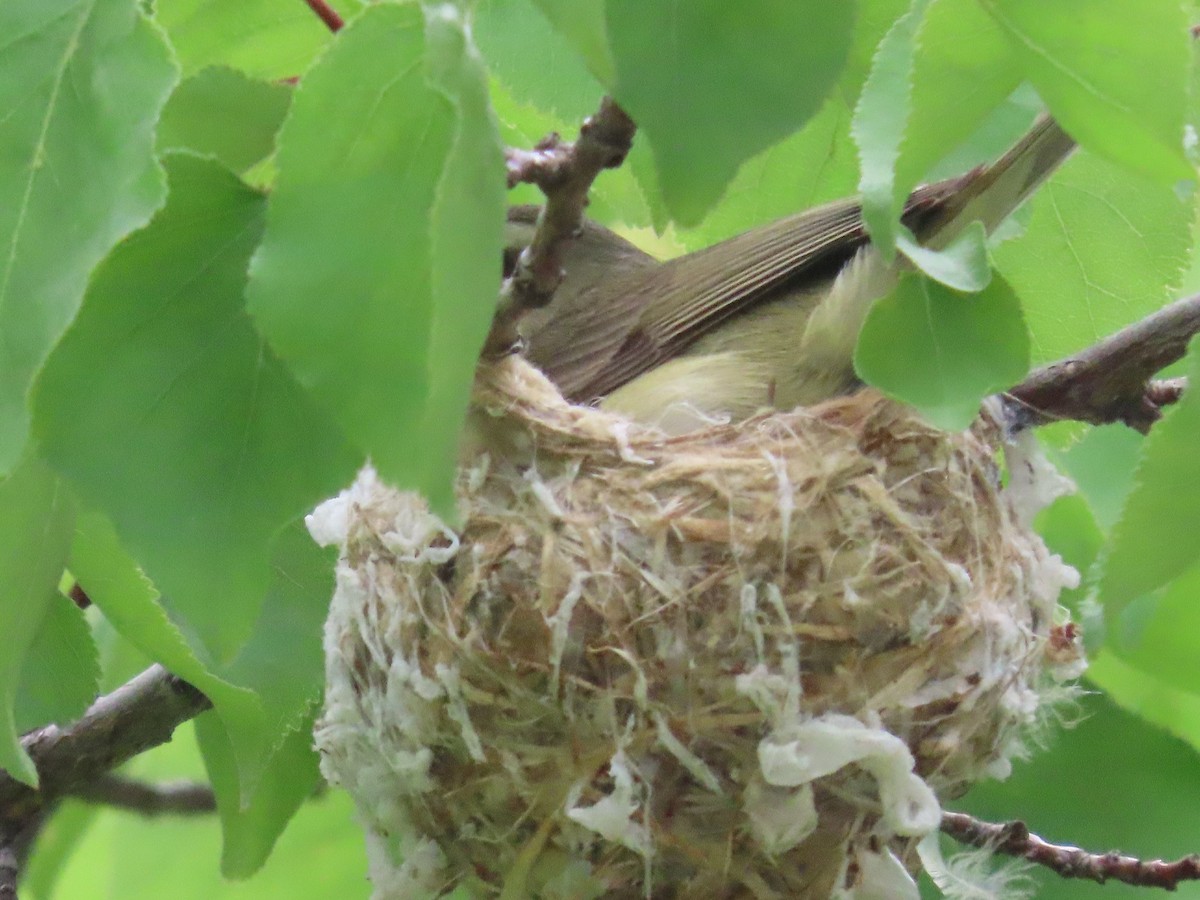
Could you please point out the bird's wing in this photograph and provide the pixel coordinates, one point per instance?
(599, 346)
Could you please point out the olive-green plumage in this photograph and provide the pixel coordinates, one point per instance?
(768, 318)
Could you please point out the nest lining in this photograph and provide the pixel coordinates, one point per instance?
(747, 661)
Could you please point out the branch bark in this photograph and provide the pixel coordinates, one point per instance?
(1015, 839)
(182, 798)
(326, 14)
(564, 173)
(1111, 380)
(140, 714)
(137, 716)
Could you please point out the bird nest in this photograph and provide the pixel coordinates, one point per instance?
(749, 661)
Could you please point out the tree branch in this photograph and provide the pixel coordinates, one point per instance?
(1014, 839)
(186, 798)
(326, 14)
(1111, 380)
(8, 873)
(564, 173)
(140, 714)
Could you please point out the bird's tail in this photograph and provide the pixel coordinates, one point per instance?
(988, 194)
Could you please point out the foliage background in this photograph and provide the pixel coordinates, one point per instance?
(164, 422)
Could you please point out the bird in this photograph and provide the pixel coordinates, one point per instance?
(766, 319)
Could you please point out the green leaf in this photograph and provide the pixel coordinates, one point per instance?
(1102, 248)
(1114, 73)
(81, 86)
(61, 671)
(378, 276)
(711, 84)
(250, 829)
(963, 72)
(817, 164)
(1174, 710)
(264, 38)
(533, 61)
(166, 410)
(56, 844)
(1156, 539)
(1069, 528)
(262, 694)
(963, 265)
(1071, 791)
(880, 123)
(283, 662)
(468, 237)
(129, 602)
(582, 24)
(36, 512)
(224, 114)
(1167, 643)
(941, 351)
(1102, 463)
(129, 857)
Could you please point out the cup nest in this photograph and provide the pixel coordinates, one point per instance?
(749, 661)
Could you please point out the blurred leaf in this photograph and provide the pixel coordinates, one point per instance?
(1069, 529)
(1101, 250)
(467, 231)
(1156, 539)
(81, 85)
(263, 694)
(61, 672)
(582, 24)
(533, 62)
(1166, 645)
(942, 351)
(282, 662)
(225, 114)
(56, 843)
(880, 124)
(817, 164)
(165, 409)
(1111, 782)
(712, 84)
(129, 601)
(124, 857)
(1171, 709)
(370, 282)
(250, 829)
(963, 265)
(1113, 73)
(1102, 463)
(36, 512)
(964, 72)
(270, 39)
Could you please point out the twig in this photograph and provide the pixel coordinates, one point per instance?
(175, 798)
(326, 14)
(140, 714)
(1111, 380)
(565, 173)
(1014, 839)
(16, 841)
(8, 873)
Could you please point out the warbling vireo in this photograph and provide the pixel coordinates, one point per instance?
(768, 318)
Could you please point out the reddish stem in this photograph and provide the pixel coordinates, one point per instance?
(326, 14)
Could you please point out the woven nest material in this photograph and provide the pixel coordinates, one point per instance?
(748, 661)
